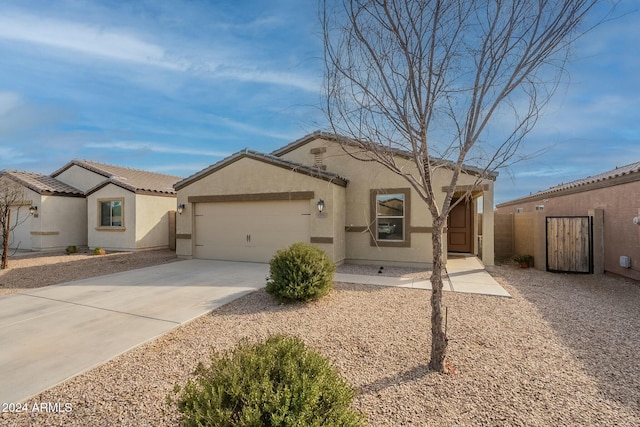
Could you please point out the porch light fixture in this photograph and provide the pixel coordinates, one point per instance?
(33, 209)
(180, 208)
(320, 205)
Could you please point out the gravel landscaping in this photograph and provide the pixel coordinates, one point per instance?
(562, 351)
(43, 269)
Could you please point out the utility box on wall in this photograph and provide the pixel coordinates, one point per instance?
(625, 261)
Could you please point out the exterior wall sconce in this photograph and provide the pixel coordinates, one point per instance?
(33, 210)
(180, 208)
(320, 205)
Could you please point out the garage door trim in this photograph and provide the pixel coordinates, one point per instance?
(253, 197)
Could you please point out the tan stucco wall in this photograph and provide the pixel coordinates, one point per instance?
(59, 222)
(364, 176)
(114, 239)
(250, 176)
(62, 221)
(620, 203)
(152, 221)
(21, 236)
(80, 178)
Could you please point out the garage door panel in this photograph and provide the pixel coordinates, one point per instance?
(249, 231)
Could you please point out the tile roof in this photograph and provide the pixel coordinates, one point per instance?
(584, 183)
(267, 158)
(131, 179)
(349, 141)
(43, 184)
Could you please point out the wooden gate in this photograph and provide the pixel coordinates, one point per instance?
(570, 244)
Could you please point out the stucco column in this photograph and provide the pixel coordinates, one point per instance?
(487, 226)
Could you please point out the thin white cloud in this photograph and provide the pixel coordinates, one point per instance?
(89, 40)
(9, 101)
(256, 130)
(155, 148)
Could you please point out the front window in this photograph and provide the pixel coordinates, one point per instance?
(390, 214)
(111, 213)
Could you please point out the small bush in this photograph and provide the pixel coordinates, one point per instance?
(277, 383)
(300, 272)
(99, 251)
(71, 249)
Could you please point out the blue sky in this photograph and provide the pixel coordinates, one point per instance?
(174, 86)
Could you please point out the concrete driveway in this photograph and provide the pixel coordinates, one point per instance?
(51, 334)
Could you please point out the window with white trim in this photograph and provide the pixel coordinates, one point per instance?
(390, 217)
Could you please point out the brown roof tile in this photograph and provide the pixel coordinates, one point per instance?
(43, 184)
(132, 179)
(267, 158)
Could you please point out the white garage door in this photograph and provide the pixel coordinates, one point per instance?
(249, 231)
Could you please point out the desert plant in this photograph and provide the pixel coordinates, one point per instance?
(525, 261)
(71, 249)
(300, 272)
(280, 382)
(99, 251)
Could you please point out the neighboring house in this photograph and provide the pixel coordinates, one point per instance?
(611, 198)
(93, 204)
(250, 204)
(59, 218)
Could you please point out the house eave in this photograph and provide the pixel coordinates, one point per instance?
(348, 141)
(595, 185)
(265, 158)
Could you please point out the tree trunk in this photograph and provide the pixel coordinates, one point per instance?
(438, 337)
(5, 239)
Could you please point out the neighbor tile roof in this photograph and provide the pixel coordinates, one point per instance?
(131, 179)
(583, 184)
(403, 153)
(43, 184)
(267, 158)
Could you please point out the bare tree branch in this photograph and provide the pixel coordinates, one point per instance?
(428, 79)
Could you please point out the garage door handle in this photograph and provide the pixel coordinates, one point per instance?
(248, 238)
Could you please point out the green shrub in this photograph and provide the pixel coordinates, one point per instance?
(71, 249)
(277, 383)
(300, 272)
(99, 251)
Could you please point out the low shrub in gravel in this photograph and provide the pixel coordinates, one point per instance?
(71, 249)
(300, 272)
(280, 382)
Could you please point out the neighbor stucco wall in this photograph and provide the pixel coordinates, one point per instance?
(117, 238)
(21, 235)
(80, 178)
(620, 204)
(364, 176)
(152, 221)
(250, 176)
(61, 221)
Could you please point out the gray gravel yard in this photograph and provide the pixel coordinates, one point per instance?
(562, 351)
(44, 269)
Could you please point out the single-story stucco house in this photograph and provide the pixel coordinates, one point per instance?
(93, 204)
(610, 199)
(251, 204)
(51, 214)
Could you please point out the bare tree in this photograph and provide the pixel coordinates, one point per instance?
(444, 82)
(11, 199)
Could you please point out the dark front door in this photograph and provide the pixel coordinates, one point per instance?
(460, 228)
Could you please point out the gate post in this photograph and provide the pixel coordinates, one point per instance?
(597, 219)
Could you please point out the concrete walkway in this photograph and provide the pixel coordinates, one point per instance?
(50, 334)
(465, 274)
